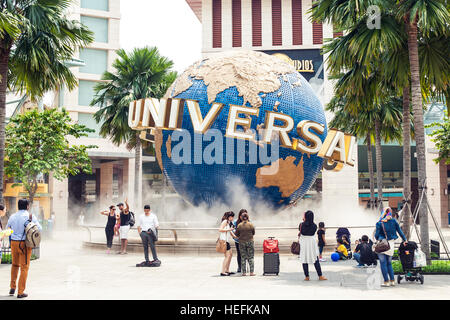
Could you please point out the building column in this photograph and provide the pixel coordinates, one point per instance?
(342, 186)
(106, 184)
(437, 185)
(60, 202)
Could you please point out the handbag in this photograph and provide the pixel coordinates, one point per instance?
(383, 245)
(295, 246)
(221, 246)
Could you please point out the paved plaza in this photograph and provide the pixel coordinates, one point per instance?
(68, 271)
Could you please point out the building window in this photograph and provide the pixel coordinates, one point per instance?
(102, 5)
(86, 92)
(317, 33)
(87, 119)
(337, 33)
(217, 23)
(97, 25)
(277, 35)
(256, 23)
(96, 61)
(297, 30)
(237, 23)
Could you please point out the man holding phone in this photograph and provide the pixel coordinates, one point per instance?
(148, 230)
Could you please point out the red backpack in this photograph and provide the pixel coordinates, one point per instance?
(271, 245)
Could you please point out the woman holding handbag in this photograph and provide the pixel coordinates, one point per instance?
(223, 243)
(309, 251)
(386, 232)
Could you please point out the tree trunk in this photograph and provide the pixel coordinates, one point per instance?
(370, 165)
(4, 61)
(379, 163)
(406, 124)
(417, 108)
(137, 170)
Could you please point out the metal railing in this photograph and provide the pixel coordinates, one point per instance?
(175, 230)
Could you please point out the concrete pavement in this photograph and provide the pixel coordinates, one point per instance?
(68, 271)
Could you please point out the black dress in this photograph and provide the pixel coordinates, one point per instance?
(109, 230)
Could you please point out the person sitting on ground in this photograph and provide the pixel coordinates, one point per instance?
(342, 250)
(364, 254)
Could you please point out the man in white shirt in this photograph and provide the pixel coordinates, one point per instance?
(148, 230)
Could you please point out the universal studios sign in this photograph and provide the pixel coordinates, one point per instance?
(167, 114)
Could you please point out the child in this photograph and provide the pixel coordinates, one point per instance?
(342, 250)
(321, 238)
(117, 226)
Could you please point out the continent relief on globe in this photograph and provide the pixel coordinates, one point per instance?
(288, 177)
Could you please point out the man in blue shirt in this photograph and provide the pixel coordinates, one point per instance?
(20, 254)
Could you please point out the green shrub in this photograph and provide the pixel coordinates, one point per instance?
(437, 266)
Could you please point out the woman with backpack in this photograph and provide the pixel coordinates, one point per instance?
(387, 228)
(225, 234)
(309, 251)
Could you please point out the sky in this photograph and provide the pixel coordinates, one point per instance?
(169, 25)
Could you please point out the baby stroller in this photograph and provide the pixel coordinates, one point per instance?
(344, 234)
(410, 271)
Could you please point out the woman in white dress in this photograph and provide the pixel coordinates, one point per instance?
(226, 234)
(309, 251)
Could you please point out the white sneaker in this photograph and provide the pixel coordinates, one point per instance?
(386, 284)
(322, 259)
(392, 283)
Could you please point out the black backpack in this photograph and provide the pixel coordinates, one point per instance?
(132, 220)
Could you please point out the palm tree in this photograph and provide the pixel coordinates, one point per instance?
(140, 74)
(35, 39)
(399, 21)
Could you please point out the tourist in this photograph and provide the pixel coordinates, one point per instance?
(364, 254)
(148, 230)
(236, 240)
(225, 232)
(124, 226)
(20, 253)
(387, 228)
(309, 253)
(109, 229)
(341, 249)
(321, 240)
(2, 214)
(245, 232)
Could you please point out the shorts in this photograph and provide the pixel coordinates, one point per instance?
(123, 231)
(228, 246)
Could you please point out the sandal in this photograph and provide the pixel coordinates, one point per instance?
(224, 274)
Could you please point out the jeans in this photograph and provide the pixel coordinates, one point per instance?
(321, 249)
(147, 240)
(109, 237)
(386, 266)
(316, 265)
(238, 256)
(358, 258)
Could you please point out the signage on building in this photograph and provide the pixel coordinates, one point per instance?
(309, 62)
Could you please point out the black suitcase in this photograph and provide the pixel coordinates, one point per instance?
(271, 263)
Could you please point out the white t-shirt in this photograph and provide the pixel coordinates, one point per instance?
(148, 222)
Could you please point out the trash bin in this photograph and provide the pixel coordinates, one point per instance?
(435, 248)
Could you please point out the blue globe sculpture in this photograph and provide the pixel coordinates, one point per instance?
(335, 256)
(251, 79)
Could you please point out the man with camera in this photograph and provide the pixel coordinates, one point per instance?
(148, 230)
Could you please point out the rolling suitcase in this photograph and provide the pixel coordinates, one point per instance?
(271, 256)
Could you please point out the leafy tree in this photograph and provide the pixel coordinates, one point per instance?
(441, 139)
(35, 39)
(36, 143)
(140, 74)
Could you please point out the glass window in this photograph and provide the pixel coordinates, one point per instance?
(96, 61)
(95, 4)
(98, 26)
(88, 120)
(86, 92)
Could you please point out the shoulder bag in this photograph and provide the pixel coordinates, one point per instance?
(295, 246)
(383, 245)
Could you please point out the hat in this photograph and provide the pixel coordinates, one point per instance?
(147, 206)
(120, 204)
